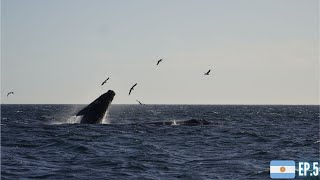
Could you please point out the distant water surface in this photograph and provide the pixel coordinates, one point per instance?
(44, 141)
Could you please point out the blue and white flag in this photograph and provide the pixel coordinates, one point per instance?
(282, 169)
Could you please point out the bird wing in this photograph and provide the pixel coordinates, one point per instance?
(209, 71)
(104, 81)
(132, 88)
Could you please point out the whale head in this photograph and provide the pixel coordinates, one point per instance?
(95, 111)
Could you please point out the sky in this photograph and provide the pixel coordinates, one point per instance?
(259, 52)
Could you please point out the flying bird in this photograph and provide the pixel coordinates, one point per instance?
(207, 73)
(159, 62)
(104, 82)
(132, 88)
(139, 102)
(10, 93)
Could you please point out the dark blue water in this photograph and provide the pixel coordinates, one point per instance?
(37, 142)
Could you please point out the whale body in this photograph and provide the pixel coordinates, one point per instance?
(191, 122)
(94, 112)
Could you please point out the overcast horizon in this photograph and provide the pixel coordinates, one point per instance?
(259, 52)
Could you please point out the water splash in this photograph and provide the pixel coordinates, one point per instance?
(66, 120)
(74, 119)
(174, 123)
(106, 119)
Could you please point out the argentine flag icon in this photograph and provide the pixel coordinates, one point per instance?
(282, 169)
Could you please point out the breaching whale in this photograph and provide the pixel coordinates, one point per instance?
(94, 112)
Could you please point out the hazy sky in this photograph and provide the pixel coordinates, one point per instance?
(260, 51)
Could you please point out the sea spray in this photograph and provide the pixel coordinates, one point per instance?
(106, 119)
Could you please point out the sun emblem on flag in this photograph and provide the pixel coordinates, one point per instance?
(282, 169)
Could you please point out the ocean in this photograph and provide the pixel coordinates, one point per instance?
(46, 142)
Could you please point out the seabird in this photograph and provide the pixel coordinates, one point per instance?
(132, 88)
(104, 82)
(159, 62)
(10, 93)
(139, 102)
(207, 73)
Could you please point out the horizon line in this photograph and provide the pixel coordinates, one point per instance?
(168, 104)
